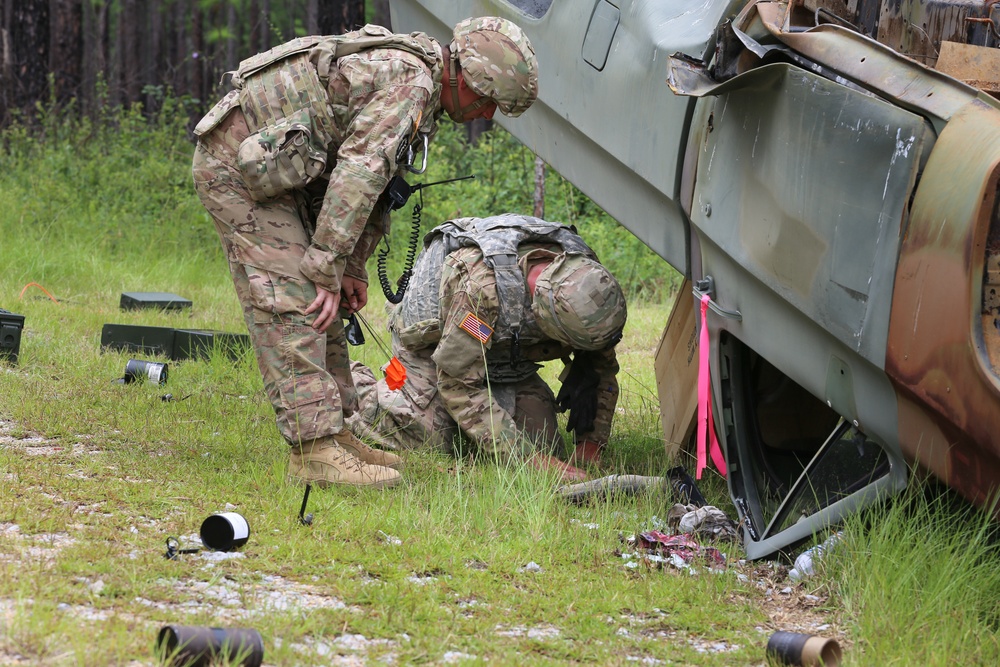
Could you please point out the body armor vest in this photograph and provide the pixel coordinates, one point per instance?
(498, 238)
(269, 94)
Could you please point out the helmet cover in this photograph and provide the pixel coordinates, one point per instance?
(497, 62)
(579, 303)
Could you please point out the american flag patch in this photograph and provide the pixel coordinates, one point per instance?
(476, 328)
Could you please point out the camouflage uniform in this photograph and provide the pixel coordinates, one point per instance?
(279, 248)
(457, 381)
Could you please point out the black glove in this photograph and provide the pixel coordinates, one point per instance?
(578, 394)
(354, 334)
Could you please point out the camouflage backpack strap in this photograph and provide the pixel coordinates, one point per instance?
(328, 49)
(571, 242)
(499, 238)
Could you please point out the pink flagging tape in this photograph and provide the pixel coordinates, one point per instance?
(707, 439)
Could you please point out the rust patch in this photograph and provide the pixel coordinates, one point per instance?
(977, 66)
(949, 393)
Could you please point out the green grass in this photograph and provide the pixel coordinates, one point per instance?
(95, 476)
(919, 579)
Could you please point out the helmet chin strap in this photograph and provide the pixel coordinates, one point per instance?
(453, 85)
(458, 112)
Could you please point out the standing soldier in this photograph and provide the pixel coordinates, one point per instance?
(292, 163)
(488, 300)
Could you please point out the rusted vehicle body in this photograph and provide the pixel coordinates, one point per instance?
(827, 172)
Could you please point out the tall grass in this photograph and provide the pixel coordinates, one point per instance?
(919, 581)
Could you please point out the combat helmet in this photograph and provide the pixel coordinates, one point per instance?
(497, 62)
(579, 303)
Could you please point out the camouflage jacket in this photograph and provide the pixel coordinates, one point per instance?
(379, 99)
(464, 361)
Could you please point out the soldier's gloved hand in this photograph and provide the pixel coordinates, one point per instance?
(578, 394)
(355, 336)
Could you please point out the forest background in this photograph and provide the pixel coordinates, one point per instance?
(66, 61)
(94, 53)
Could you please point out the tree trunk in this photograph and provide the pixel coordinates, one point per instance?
(476, 128)
(153, 56)
(265, 26)
(231, 40)
(312, 17)
(253, 9)
(182, 53)
(539, 187)
(28, 56)
(66, 48)
(95, 46)
(381, 16)
(116, 88)
(339, 16)
(6, 66)
(197, 55)
(129, 29)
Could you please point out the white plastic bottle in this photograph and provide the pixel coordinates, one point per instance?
(805, 563)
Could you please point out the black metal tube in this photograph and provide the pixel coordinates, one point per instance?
(198, 646)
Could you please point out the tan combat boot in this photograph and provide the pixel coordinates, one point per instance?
(324, 462)
(370, 455)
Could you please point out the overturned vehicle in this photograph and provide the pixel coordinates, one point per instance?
(826, 171)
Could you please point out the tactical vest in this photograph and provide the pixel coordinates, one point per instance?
(418, 317)
(269, 94)
(283, 95)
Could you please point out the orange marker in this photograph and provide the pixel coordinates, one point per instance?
(395, 374)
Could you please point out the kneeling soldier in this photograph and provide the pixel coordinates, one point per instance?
(488, 300)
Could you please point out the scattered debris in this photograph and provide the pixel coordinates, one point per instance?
(452, 657)
(531, 567)
(805, 564)
(793, 648)
(424, 578)
(389, 539)
(621, 484)
(678, 550)
(706, 522)
(686, 488)
(541, 632)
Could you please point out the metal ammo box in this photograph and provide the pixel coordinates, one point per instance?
(177, 344)
(161, 300)
(10, 335)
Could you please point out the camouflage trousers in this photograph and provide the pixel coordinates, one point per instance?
(306, 373)
(415, 416)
